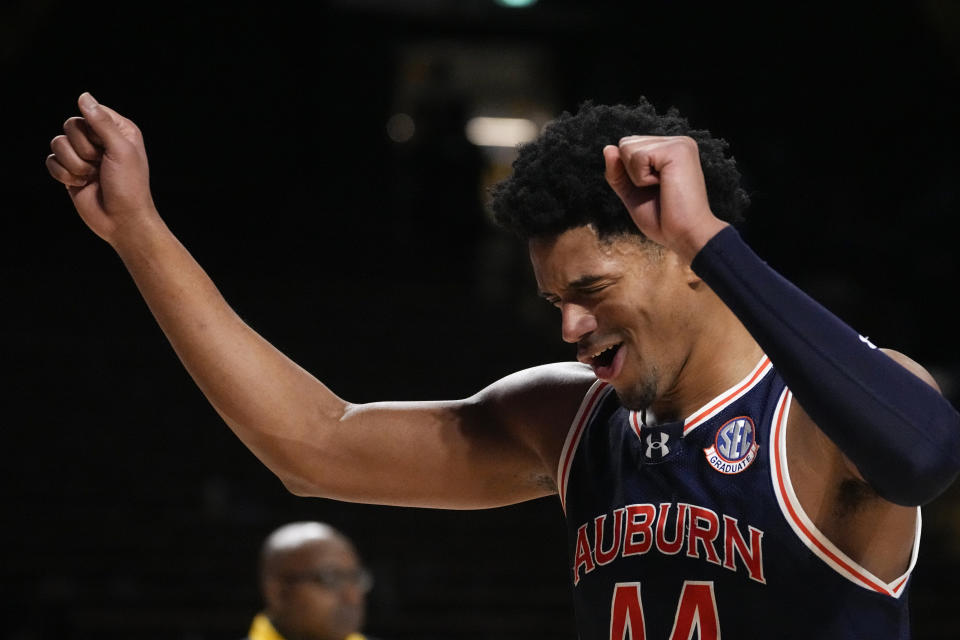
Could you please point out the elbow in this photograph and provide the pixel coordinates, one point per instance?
(938, 471)
(299, 486)
(921, 474)
(917, 487)
(934, 476)
(299, 489)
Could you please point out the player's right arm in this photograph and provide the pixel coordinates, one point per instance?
(497, 447)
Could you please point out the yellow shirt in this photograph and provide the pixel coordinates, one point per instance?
(262, 629)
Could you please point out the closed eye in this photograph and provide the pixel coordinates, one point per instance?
(585, 287)
(589, 285)
(596, 289)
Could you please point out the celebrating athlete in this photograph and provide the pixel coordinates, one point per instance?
(731, 458)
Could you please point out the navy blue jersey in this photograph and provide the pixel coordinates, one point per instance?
(692, 529)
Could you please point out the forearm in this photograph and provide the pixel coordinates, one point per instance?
(270, 402)
(454, 454)
(902, 435)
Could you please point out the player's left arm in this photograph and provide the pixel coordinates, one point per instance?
(913, 367)
(899, 432)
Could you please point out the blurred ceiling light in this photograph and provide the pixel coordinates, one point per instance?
(500, 132)
(400, 127)
(516, 4)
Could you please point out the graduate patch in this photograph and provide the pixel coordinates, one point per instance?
(734, 447)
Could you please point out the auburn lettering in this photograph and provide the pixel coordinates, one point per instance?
(668, 529)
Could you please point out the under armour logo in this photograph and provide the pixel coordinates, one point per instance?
(660, 448)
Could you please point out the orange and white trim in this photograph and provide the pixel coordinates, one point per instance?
(716, 405)
(804, 527)
(591, 401)
(729, 396)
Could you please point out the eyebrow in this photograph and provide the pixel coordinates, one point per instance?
(580, 283)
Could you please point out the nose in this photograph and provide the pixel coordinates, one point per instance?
(576, 322)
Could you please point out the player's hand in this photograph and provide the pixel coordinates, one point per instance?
(102, 161)
(660, 181)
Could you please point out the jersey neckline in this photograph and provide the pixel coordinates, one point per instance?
(718, 403)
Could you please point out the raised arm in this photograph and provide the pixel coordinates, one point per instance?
(901, 435)
(491, 449)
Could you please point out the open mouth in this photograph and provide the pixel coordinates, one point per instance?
(605, 358)
(607, 362)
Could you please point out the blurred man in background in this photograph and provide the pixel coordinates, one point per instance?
(313, 584)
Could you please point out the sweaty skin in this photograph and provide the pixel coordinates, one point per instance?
(502, 444)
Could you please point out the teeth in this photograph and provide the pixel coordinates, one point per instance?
(603, 350)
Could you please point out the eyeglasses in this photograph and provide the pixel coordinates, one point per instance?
(333, 579)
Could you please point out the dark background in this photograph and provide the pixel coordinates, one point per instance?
(130, 510)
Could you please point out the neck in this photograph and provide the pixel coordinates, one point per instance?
(722, 355)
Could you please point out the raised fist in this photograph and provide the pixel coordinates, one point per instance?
(660, 181)
(102, 161)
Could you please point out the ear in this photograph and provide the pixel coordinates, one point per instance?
(692, 279)
(273, 593)
(687, 275)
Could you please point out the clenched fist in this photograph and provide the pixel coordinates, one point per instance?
(660, 181)
(102, 161)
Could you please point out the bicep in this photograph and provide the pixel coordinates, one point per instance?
(492, 449)
(454, 455)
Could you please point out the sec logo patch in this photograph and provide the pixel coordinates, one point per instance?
(734, 447)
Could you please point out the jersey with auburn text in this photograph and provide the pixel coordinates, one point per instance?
(692, 530)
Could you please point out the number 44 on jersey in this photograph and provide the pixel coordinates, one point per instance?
(697, 610)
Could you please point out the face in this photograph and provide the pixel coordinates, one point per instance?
(315, 591)
(627, 304)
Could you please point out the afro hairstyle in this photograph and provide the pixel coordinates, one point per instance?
(558, 179)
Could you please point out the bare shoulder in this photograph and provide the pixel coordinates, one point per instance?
(912, 366)
(539, 394)
(538, 405)
(548, 378)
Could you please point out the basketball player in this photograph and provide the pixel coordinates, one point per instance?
(731, 458)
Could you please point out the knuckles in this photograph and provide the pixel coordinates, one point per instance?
(60, 174)
(645, 143)
(641, 151)
(80, 139)
(65, 154)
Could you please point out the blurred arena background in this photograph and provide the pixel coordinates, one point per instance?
(327, 163)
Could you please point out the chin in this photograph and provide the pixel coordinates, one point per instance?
(637, 397)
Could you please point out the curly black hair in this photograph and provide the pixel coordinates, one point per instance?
(558, 179)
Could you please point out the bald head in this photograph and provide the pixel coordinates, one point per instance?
(313, 584)
(297, 535)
